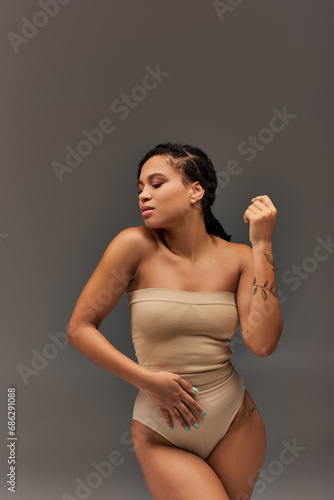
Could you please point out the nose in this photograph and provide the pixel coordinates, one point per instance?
(143, 196)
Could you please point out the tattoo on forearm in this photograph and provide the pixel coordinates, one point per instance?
(263, 287)
(270, 260)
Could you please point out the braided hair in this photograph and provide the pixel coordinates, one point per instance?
(193, 165)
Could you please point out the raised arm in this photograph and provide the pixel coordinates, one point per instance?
(99, 296)
(259, 311)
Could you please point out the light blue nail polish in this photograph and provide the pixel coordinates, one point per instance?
(171, 427)
(196, 425)
(187, 428)
(203, 413)
(195, 389)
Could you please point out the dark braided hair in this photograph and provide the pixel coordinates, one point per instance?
(193, 165)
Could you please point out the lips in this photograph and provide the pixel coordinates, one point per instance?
(146, 207)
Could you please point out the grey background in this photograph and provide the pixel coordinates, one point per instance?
(225, 78)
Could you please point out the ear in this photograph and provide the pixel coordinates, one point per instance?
(196, 192)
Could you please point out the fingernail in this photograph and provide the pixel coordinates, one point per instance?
(252, 199)
(187, 428)
(203, 413)
(196, 425)
(195, 389)
(171, 427)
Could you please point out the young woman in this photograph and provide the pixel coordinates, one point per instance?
(196, 430)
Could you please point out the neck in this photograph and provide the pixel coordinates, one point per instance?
(188, 242)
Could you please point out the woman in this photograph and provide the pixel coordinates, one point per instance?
(196, 430)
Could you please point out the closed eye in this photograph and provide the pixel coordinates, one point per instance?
(154, 185)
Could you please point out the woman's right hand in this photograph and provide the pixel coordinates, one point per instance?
(171, 393)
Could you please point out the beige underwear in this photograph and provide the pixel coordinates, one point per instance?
(188, 333)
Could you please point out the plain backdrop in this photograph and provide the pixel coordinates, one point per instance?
(226, 69)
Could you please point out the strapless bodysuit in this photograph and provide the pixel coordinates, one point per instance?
(188, 333)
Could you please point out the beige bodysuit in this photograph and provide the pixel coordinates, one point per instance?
(188, 333)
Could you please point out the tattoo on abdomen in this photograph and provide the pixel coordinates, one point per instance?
(263, 287)
(250, 411)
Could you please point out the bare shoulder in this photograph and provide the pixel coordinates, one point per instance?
(112, 277)
(244, 254)
(239, 253)
(136, 243)
(138, 235)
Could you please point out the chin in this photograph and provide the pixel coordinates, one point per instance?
(149, 223)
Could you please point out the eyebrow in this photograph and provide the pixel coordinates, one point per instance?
(149, 177)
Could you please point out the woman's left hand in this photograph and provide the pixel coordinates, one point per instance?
(261, 215)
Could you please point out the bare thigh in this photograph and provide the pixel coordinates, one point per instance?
(172, 473)
(238, 457)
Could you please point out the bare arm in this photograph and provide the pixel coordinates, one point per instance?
(92, 344)
(101, 293)
(260, 315)
(109, 281)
